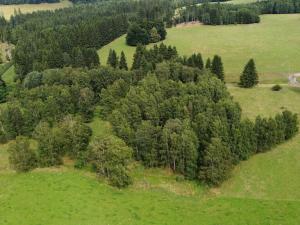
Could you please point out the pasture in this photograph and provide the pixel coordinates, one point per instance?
(273, 44)
(261, 191)
(8, 10)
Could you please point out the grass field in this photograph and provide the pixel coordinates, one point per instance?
(262, 191)
(8, 10)
(273, 43)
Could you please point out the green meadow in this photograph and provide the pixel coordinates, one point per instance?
(261, 191)
(273, 43)
(8, 10)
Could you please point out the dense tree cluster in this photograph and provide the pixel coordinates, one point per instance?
(190, 124)
(219, 14)
(279, 6)
(146, 32)
(13, 2)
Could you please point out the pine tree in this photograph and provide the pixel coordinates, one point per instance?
(217, 67)
(154, 36)
(112, 59)
(208, 64)
(123, 63)
(198, 61)
(137, 57)
(249, 77)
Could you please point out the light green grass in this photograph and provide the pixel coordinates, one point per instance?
(8, 10)
(273, 43)
(9, 75)
(262, 191)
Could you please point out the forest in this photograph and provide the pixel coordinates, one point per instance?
(168, 111)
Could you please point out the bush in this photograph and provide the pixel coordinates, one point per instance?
(22, 157)
(276, 87)
(110, 157)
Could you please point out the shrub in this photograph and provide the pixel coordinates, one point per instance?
(22, 157)
(110, 157)
(276, 87)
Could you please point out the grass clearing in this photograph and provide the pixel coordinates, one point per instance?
(236, 44)
(8, 10)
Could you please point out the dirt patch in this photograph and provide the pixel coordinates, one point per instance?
(6, 51)
(294, 80)
(188, 24)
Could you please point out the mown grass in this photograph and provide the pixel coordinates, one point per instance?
(273, 44)
(8, 10)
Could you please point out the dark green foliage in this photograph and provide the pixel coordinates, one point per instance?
(208, 63)
(217, 67)
(110, 157)
(70, 137)
(123, 63)
(194, 60)
(216, 163)
(22, 157)
(50, 145)
(136, 35)
(12, 2)
(290, 121)
(249, 77)
(276, 87)
(3, 91)
(112, 59)
(33, 79)
(145, 32)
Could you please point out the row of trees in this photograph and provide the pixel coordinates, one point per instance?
(219, 14)
(13, 2)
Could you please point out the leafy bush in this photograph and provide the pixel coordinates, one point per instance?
(276, 87)
(110, 157)
(22, 157)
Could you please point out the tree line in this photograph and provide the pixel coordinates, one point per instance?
(15, 2)
(221, 14)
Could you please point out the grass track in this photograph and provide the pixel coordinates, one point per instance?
(273, 43)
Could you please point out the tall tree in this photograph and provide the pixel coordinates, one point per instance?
(112, 59)
(249, 77)
(123, 63)
(217, 67)
(208, 64)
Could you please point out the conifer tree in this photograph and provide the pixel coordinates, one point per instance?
(137, 57)
(208, 64)
(112, 59)
(123, 63)
(249, 77)
(217, 67)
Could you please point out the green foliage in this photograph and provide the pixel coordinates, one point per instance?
(217, 67)
(216, 163)
(154, 36)
(22, 157)
(276, 87)
(33, 79)
(112, 59)
(249, 77)
(123, 63)
(136, 35)
(110, 157)
(208, 64)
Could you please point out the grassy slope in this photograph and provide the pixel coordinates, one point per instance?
(8, 10)
(262, 190)
(275, 57)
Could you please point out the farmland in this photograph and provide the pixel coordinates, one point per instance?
(274, 57)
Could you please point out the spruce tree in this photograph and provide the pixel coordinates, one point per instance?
(249, 77)
(123, 63)
(112, 59)
(208, 64)
(217, 67)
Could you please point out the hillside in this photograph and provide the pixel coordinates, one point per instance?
(275, 57)
(262, 190)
